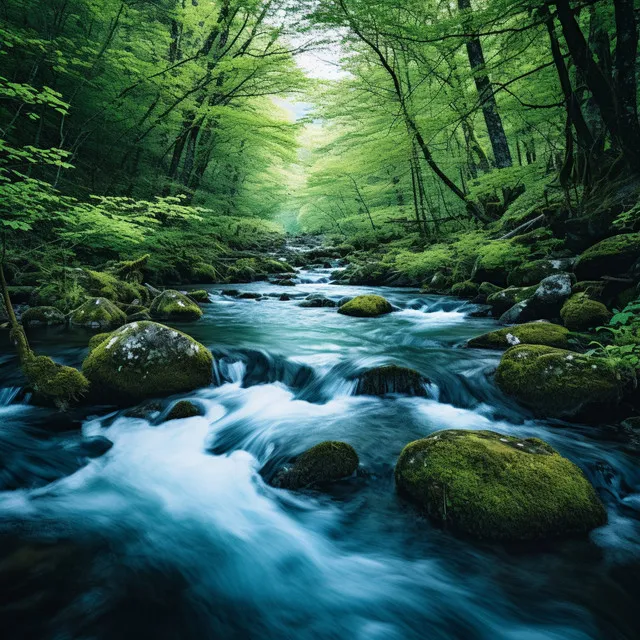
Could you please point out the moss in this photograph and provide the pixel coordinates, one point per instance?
(253, 269)
(440, 283)
(503, 300)
(131, 270)
(545, 333)
(63, 295)
(557, 383)
(326, 462)
(174, 306)
(53, 383)
(595, 289)
(145, 360)
(496, 260)
(42, 316)
(182, 410)
(392, 379)
(580, 313)
(203, 273)
(487, 288)
(498, 487)
(98, 313)
(139, 316)
(531, 273)
(368, 306)
(466, 289)
(106, 285)
(97, 340)
(201, 296)
(613, 256)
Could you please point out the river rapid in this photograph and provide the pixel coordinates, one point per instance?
(175, 534)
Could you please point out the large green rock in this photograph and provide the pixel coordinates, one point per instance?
(368, 306)
(531, 273)
(613, 256)
(381, 381)
(580, 313)
(545, 333)
(558, 383)
(504, 299)
(98, 313)
(324, 463)
(53, 383)
(498, 487)
(146, 360)
(173, 306)
(254, 269)
(466, 289)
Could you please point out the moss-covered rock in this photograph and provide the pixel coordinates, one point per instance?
(612, 256)
(440, 283)
(97, 313)
(107, 285)
(182, 410)
(146, 360)
(558, 383)
(200, 296)
(324, 463)
(381, 381)
(97, 340)
(505, 298)
(42, 317)
(139, 316)
(497, 487)
(595, 289)
(369, 306)
(173, 306)
(254, 269)
(580, 313)
(545, 333)
(466, 289)
(54, 384)
(531, 273)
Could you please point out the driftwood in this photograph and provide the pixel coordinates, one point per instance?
(523, 228)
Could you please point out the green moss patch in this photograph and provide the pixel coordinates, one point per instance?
(580, 313)
(200, 296)
(530, 273)
(254, 269)
(53, 383)
(144, 360)
(173, 306)
(613, 256)
(498, 487)
(392, 379)
(466, 289)
(559, 383)
(42, 316)
(326, 462)
(98, 313)
(369, 306)
(545, 333)
(504, 299)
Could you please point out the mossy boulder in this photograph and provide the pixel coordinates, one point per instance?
(322, 464)
(531, 273)
(54, 384)
(466, 289)
(504, 299)
(145, 360)
(174, 306)
(595, 289)
(182, 410)
(138, 316)
(496, 487)
(580, 313)
(107, 285)
(200, 296)
(97, 340)
(392, 379)
(42, 317)
(439, 283)
(98, 313)
(254, 269)
(369, 306)
(559, 383)
(545, 333)
(612, 256)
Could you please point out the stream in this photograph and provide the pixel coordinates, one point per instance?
(174, 533)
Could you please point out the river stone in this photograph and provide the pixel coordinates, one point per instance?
(182, 410)
(533, 272)
(580, 313)
(145, 360)
(545, 303)
(613, 256)
(559, 383)
(466, 289)
(42, 317)
(503, 299)
(317, 300)
(392, 379)
(369, 306)
(324, 463)
(546, 333)
(497, 487)
(98, 313)
(173, 306)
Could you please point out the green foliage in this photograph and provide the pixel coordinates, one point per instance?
(624, 332)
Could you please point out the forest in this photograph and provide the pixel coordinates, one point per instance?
(369, 270)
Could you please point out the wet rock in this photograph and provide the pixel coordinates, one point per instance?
(53, 384)
(545, 303)
(247, 270)
(344, 300)
(182, 410)
(503, 299)
(317, 300)
(439, 283)
(580, 313)
(466, 289)
(496, 487)
(559, 383)
(248, 295)
(42, 317)
(98, 313)
(173, 306)
(139, 316)
(324, 463)
(369, 306)
(284, 297)
(93, 447)
(545, 333)
(613, 257)
(392, 379)
(145, 360)
(533, 272)
(200, 296)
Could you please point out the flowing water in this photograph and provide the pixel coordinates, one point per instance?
(174, 533)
